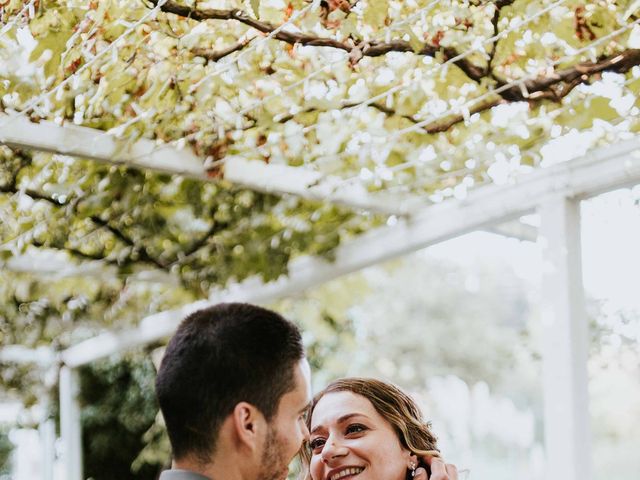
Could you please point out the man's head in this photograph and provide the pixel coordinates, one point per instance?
(240, 364)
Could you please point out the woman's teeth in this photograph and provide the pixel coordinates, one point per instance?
(346, 472)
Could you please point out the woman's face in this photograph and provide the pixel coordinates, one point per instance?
(350, 439)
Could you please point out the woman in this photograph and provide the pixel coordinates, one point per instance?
(366, 428)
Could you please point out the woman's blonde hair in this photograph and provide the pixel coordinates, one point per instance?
(395, 406)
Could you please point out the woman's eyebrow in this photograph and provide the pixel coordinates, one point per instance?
(342, 419)
(349, 416)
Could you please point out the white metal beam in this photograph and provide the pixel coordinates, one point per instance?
(565, 343)
(9, 411)
(47, 427)
(19, 131)
(47, 432)
(607, 169)
(28, 264)
(94, 144)
(42, 356)
(151, 329)
(73, 140)
(70, 426)
(515, 229)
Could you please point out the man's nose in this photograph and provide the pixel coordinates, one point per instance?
(305, 432)
(333, 449)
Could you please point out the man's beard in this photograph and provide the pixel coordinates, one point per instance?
(274, 464)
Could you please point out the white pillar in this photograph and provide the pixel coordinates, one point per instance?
(565, 343)
(47, 432)
(47, 428)
(70, 427)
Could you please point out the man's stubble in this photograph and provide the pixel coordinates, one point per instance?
(274, 464)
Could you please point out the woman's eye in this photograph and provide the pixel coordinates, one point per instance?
(316, 443)
(356, 428)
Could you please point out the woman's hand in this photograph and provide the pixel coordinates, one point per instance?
(439, 470)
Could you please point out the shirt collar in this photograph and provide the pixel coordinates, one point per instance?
(181, 475)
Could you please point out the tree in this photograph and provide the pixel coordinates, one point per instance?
(429, 98)
(119, 407)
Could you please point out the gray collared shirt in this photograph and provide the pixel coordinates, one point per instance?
(181, 475)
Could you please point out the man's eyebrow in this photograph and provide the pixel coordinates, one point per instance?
(342, 419)
(306, 408)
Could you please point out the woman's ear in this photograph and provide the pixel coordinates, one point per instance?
(412, 465)
(248, 425)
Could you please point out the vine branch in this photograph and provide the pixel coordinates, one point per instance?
(356, 49)
(215, 55)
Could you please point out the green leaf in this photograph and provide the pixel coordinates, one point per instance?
(255, 6)
(376, 13)
(416, 43)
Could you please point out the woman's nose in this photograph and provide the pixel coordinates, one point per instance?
(333, 449)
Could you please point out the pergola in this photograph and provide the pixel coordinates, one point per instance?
(554, 192)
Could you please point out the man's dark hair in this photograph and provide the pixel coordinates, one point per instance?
(218, 357)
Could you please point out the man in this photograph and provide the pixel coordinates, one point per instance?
(234, 387)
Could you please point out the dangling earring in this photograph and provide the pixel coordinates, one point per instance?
(412, 467)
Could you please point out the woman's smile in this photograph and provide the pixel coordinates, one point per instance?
(339, 473)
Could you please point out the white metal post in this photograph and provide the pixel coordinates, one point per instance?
(70, 427)
(47, 430)
(565, 343)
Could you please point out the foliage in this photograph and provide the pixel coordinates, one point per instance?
(328, 331)
(119, 406)
(443, 118)
(195, 235)
(5, 453)
(614, 368)
(391, 321)
(465, 339)
(459, 338)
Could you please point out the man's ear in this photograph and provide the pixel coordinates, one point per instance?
(248, 424)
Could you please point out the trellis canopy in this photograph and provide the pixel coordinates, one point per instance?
(293, 126)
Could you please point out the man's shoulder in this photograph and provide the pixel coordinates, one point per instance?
(181, 475)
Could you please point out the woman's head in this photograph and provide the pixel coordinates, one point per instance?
(366, 428)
